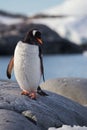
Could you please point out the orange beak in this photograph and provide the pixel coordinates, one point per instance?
(39, 40)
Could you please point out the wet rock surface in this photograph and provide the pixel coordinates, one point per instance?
(11, 120)
(20, 112)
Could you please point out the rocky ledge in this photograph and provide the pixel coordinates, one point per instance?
(18, 112)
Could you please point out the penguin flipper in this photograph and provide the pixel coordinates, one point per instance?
(42, 69)
(41, 62)
(10, 67)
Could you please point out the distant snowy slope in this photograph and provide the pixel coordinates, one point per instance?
(9, 20)
(80, 27)
(74, 26)
(62, 27)
(69, 7)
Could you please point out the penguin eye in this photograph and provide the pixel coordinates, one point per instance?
(38, 34)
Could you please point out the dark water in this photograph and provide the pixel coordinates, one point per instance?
(55, 66)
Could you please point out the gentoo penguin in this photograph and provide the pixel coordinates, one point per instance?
(28, 64)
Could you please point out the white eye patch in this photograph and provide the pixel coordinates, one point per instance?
(34, 32)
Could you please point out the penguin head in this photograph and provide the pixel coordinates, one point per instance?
(33, 37)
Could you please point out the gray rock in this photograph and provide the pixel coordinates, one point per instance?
(73, 88)
(10, 120)
(44, 112)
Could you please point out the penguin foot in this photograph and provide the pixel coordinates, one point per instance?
(40, 92)
(32, 95)
(24, 92)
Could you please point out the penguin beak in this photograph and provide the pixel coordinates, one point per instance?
(39, 40)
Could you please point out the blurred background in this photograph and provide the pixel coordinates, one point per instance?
(63, 24)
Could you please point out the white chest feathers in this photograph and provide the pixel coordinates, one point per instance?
(27, 66)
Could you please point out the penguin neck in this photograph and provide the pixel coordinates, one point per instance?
(29, 41)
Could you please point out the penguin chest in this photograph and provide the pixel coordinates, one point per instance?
(27, 70)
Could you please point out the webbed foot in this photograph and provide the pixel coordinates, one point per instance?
(24, 92)
(32, 95)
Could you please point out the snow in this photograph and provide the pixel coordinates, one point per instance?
(73, 27)
(62, 27)
(9, 20)
(65, 127)
(69, 7)
(80, 26)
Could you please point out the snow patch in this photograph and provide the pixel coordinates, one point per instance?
(72, 27)
(62, 27)
(9, 20)
(65, 127)
(69, 7)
